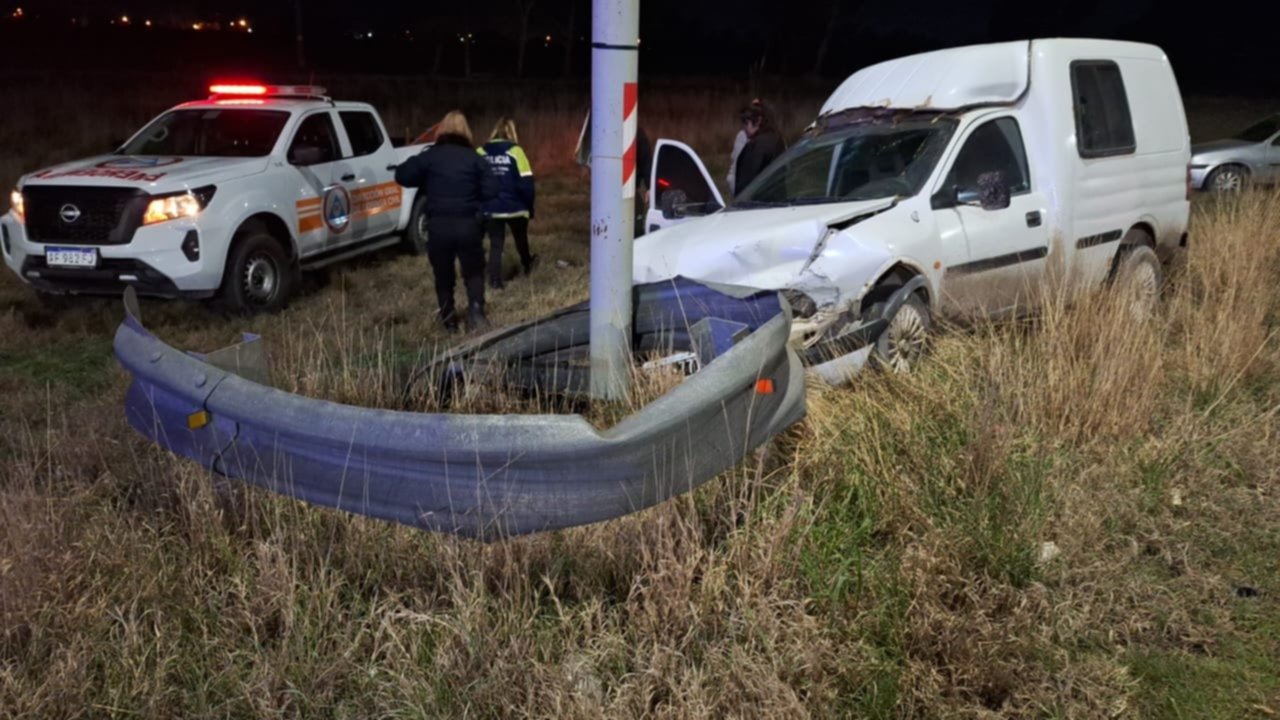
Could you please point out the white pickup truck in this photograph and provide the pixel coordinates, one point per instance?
(227, 198)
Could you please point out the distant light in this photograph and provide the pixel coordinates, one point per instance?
(548, 38)
(197, 26)
(147, 23)
(250, 31)
(244, 23)
(370, 35)
(17, 13)
(124, 19)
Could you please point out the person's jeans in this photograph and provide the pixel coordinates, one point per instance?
(497, 238)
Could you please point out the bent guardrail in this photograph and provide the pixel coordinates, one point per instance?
(489, 476)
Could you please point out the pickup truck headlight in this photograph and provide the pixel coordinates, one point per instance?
(186, 204)
(18, 205)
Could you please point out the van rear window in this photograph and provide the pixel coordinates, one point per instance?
(1103, 124)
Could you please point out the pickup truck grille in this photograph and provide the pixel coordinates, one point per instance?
(106, 216)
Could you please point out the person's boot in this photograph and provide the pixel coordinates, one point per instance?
(448, 317)
(475, 316)
(528, 264)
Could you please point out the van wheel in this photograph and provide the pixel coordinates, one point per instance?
(415, 235)
(259, 277)
(904, 342)
(1138, 279)
(1228, 178)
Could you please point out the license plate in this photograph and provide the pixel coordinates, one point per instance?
(71, 257)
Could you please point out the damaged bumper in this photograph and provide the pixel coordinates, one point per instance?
(489, 476)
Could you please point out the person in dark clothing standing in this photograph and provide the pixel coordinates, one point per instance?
(764, 145)
(514, 205)
(644, 167)
(456, 183)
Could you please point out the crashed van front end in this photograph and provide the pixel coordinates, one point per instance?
(488, 476)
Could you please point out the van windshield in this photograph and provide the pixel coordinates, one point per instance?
(864, 162)
(210, 133)
(1260, 130)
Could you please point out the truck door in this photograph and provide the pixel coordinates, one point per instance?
(324, 206)
(365, 171)
(680, 185)
(994, 251)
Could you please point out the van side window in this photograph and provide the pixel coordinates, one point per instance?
(996, 146)
(315, 142)
(362, 131)
(1103, 124)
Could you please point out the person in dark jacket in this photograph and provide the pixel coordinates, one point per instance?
(456, 183)
(514, 205)
(764, 145)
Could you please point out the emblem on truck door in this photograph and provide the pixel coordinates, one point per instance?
(337, 209)
(69, 213)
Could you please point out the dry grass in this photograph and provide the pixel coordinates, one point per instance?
(884, 558)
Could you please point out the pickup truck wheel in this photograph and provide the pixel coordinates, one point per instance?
(415, 235)
(1138, 279)
(259, 277)
(903, 343)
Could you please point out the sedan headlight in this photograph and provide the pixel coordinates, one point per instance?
(18, 205)
(188, 204)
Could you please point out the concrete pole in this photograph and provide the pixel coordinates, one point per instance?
(615, 32)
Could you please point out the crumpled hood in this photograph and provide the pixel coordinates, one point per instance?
(766, 248)
(152, 173)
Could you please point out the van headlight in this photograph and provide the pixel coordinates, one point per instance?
(185, 204)
(18, 205)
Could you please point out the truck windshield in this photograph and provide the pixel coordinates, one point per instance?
(213, 132)
(1261, 130)
(864, 162)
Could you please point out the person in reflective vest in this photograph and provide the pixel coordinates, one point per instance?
(513, 207)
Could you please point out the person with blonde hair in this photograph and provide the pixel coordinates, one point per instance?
(455, 184)
(513, 207)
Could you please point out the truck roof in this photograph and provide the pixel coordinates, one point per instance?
(954, 78)
(271, 103)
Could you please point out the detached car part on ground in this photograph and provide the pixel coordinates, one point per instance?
(489, 476)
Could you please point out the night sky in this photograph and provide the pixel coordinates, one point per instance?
(1214, 51)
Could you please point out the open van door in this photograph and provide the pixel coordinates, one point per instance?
(680, 187)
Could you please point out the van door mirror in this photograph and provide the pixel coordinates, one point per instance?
(673, 202)
(993, 191)
(947, 197)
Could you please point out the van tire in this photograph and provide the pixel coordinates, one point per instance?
(259, 277)
(1138, 278)
(415, 233)
(904, 343)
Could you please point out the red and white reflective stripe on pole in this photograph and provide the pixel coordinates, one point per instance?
(615, 41)
(629, 123)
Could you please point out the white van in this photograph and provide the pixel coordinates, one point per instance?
(955, 184)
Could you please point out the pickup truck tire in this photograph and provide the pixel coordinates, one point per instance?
(1138, 277)
(259, 277)
(904, 342)
(415, 235)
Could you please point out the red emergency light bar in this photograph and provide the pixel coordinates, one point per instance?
(256, 90)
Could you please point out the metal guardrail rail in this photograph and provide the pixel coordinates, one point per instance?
(488, 476)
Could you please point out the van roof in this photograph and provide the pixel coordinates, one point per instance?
(954, 78)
